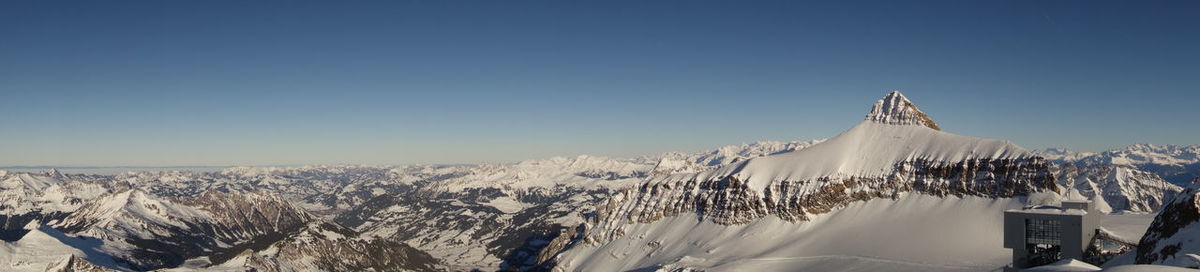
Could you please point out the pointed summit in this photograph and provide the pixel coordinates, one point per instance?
(54, 173)
(895, 109)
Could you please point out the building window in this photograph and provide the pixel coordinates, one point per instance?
(1043, 231)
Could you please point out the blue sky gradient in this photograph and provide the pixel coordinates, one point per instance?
(153, 83)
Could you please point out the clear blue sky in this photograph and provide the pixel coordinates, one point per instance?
(153, 83)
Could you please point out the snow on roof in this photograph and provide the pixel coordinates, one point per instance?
(1048, 210)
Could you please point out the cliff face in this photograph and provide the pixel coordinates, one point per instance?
(330, 247)
(1174, 236)
(1117, 187)
(895, 109)
(729, 200)
(72, 263)
(151, 232)
(897, 150)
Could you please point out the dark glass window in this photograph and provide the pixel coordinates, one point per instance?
(1043, 231)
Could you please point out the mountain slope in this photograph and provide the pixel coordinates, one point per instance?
(148, 232)
(507, 215)
(1174, 236)
(1176, 164)
(875, 235)
(1119, 187)
(329, 247)
(41, 198)
(44, 248)
(895, 151)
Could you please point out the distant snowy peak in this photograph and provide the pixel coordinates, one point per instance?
(678, 162)
(1174, 163)
(1153, 154)
(895, 109)
(1062, 154)
(1119, 187)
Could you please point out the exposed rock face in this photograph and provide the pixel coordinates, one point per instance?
(476, 227)
(1120, 187)
(73, 263)
(1175, 164)
(729, 201)
(1175, 232)
(329, 247)
(886, 156)
(41, 198)
(149, 232)
(895, 109)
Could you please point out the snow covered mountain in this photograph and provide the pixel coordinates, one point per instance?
(1176, 164)
(40, 197)
(1117, 188)
(678, 162)
(188, 218)
(1127, 179)
(896, 153)
(329, 247)
(896, 170)
(508, 215)
(43, 248)
(1174, 237)
(148, 232)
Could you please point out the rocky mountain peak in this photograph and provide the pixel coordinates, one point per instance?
(895, 109)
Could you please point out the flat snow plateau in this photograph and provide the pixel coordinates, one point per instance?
(913, 233)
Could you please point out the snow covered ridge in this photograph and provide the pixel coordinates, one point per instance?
(872, 160)
(678, 162)
(1117, 188)
(329, 247)
(1137, 178)
(30, 197)
(150, 232)
(521, 204)
(1174, 163)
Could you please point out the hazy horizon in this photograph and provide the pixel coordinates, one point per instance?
(151, 84)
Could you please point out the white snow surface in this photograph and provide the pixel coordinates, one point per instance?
(1067, 265)
(28, 192)
(913, 233)
(43, 245)
(869, 149)
(1072, 265)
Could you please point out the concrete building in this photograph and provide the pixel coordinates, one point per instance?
(1041, 235)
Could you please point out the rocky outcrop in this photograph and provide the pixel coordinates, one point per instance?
(1174, 236)
(1174, 163)
(72, 263)
(897, 150)
(329, 247)
(895, 109)
(1117, 187)
(40, 198)
(150, 232)
(729, 200)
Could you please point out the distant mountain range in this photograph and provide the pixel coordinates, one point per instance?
(739, 206)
